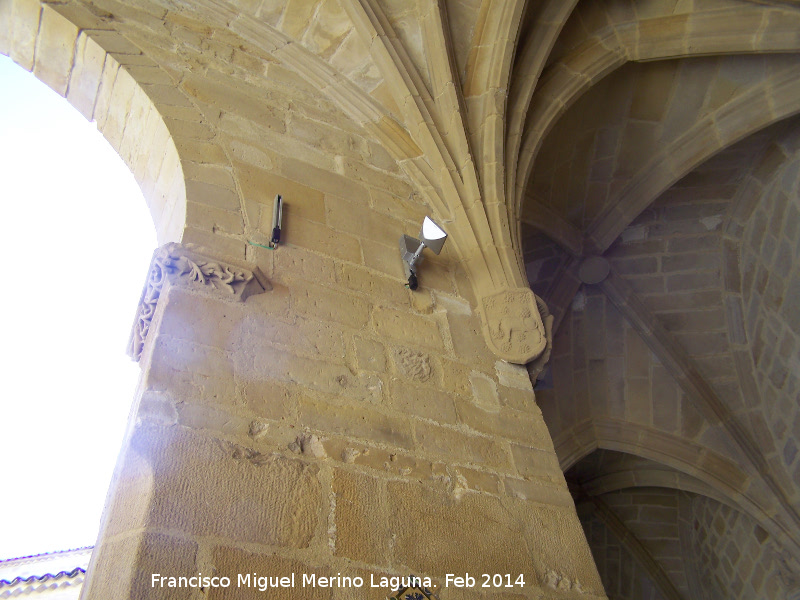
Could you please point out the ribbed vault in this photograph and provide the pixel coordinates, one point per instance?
(659, 134)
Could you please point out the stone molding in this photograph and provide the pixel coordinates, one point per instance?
(178, 265)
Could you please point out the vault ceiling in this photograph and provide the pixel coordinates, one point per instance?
(659, 134)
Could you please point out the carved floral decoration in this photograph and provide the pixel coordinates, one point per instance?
(180, 266)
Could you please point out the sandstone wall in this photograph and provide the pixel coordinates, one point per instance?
(337, 422)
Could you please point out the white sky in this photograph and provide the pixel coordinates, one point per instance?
(75, 240)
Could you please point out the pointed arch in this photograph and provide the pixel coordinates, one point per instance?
(70, 61)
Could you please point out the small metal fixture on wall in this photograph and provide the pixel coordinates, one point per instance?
(277, 218)
(275, 227)
(431, 236)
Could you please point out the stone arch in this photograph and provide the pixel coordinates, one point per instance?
(647, 478)
(685, 457)
(669, 450)
(611, 48)
(70, 61)
(725, 126)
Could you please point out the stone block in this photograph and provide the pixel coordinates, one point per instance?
(434, 535)
(316, 301)
(415, 365)
(421, 401)
(157, 408)
(455, 377)
(322, 376)
(243, 100)
(268, 320)
(245, 151)
(321, 135)
(506, 423)
(687, 282)
(85, 76)
(467, 338)
(213, 420)
(459, 447)
(363, 172)
(300, 263)
(638, 403)
(153, 74)
(120, 108)
(537, 463)
(325, 181)
(369, 355)
(114, 43)
(540, 490)
(665, 395)
(517, 399)
(375, 286)
(699, 344)
(199, 318)
(261, 186)
(478, 480)
(360, 518)
(403, 208)
(392, 461)
(644, 265)
(269, 400)
(358, 220)
(212, 195)
(484, 392)
(356, 421)
(320, 238)
(685, 301)
(190, 372)
(24, 26)
(615, 376)
(598, 386)
(212, 219)
(204, 173)
(386, 260)
(513, 376)
(652, 92)
(259, 498)
(141, 127)
(194, 150)
(104, 90)
(691, 262)
(696, 321)
(724, 469)
(435, 275)
(407, 328)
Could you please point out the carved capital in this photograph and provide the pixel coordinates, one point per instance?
(174, 264)
(513, 326)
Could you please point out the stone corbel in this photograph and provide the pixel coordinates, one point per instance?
(180, 266)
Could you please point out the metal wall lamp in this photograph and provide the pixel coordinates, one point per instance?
(432, 237)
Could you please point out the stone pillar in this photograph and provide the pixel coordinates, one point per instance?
(334, 425)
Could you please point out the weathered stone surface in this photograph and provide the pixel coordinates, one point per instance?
(358, 422)
(407, 328)
(257, 497)
(433, 440)
(361, 531)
